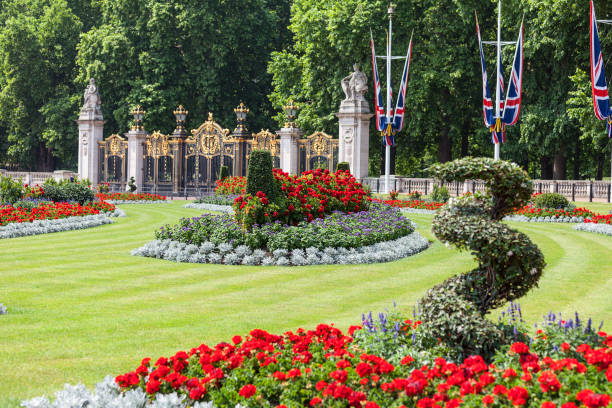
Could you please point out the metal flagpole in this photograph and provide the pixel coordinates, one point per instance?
(387, 147)
(497, 93)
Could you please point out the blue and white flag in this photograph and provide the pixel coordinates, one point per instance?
(512, 106)
(601, 99)
(400, 107)
(381, 118)
(487, 102)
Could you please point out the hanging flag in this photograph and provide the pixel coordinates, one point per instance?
(400, 107)
(388, 135)
(512, 107)
(381, 118)
(601, 99)
(487, 102)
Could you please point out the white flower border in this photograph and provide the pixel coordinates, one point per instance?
(37, 227)
(107, 394)
(225, 253)
(417, 211)
(119, 202)
(211, 207)
(604, 229)
(523, 218)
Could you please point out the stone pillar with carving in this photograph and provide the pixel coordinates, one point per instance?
(354, 124)
(289, 136)
(136, 139)
(91, 128)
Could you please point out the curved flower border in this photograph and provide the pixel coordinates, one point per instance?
(38, 227)
(119, 202)
(242, 255)
(566, 220)
(211, 207)
(604, 229)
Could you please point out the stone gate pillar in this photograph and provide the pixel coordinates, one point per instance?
(91, 128)
(354, 124)
(289, 160)
(136, 138)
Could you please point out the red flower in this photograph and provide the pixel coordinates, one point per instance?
(488, 400)
(247, 391)
(549, 382)
(518, 395)
(519, 348)
(315, 401)
(548, 404)
(153, 386)
(236, 340)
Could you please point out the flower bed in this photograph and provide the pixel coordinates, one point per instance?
(211, 207)
(311, 195)
(529, 211)
(10, 214)
(130, 198)
(564, 365)
(46, 226)
(231, 186)
(379, 235)
(604, 229)
(217, 199)
(600, 219)
(412, 204)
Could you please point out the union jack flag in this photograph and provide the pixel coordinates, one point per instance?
(498, 130)
(512, 107)
(487, 102)
(400, 108)
(381, 118)
(601, 99)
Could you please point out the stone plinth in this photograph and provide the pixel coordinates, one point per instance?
(354, 135)
(289, 149)
(135, 160)
(91, 128)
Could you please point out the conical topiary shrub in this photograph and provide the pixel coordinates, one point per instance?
(259, 174)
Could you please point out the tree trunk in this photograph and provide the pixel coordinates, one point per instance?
(46, 160)
(576, 175)
(546, 167)
(444, 147)
(465, 140)
(559, 165)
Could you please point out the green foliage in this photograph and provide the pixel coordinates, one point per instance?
(345, 166)
(550, 200)
(509, 264)
(66, 190)
(26, 205)
(132, 184)
(223, 173)
(259, 174)
(10, 190)
(440, 194)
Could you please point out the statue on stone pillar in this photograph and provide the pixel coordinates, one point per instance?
(91, 98)
(355, 85)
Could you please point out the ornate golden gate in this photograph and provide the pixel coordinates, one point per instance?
(208, 147)
(113, 161)
(266, 140)
(158, 163)
(318, 151)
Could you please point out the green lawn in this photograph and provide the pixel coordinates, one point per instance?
(81, 307)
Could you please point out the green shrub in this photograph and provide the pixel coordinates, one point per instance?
(415, 195)
(550, 200)
(26, 205)
(259, 174)
(10, 190)
(344, 166)
(132, 184)
(509, 264)
(440, 194)
(67, 190)
(223, 173)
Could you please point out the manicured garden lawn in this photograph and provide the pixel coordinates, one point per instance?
(81, 307)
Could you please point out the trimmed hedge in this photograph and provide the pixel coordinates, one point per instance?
(550, 200)
(259, 174)
(223, 173)
(344, 166)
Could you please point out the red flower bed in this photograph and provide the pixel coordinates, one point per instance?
(418, 204)
(130, 197)
(231, 186)
(9, 214)
(303, 198)
(324, 368)
(32, 192)
(531, 211)
(600, 219)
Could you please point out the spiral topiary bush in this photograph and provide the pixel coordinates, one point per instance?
(509, 264)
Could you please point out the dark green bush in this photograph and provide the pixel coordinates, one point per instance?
(10, 190)
(550, 200)
(259, 174)
(223, 173)
(509, 264)
(67, 191)
(344, 166)
(26, 205)
(132, 184)
(440, 194)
